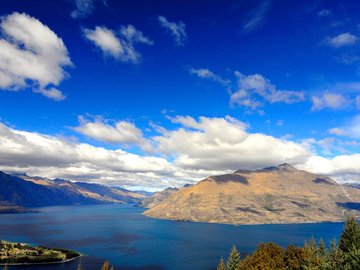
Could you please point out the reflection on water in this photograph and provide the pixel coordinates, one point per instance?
(132, 241)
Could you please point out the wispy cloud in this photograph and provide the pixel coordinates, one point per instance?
(324, 13)
(344, 39)
(256, 17)
(119, 46)
(205, 73)
(253, 87)
(177, 30)
(31, 56)
(84, 8)
(329, 100)
(350, 129)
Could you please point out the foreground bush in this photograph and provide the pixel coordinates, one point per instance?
(344, 255)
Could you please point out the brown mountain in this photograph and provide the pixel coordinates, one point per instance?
(279, 194)
(157, 197)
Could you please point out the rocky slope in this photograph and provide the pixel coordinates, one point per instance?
(157, 197)
(279, 194)
(26, 191)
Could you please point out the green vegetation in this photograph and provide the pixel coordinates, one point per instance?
(344, 255)
(19, 253)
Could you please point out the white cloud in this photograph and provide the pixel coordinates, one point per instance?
(329, 100)
(56, 157)
(122, 132)
(350, 129)
(205, 73)
(357, 100)
(31, 56)
(337, 131)
(83, 8)
(343, 168)
(120, 46)
(191, 150)
(224, 144)
(251, 87)
(177, 30)
(344, 39)
(255, 18)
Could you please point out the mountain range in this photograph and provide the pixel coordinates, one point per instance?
(20, 191)
(280, 194)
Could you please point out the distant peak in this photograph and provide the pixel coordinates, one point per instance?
(19, 174)
(281, 167)
(287, 166)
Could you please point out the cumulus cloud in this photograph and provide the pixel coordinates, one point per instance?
(121, 45)
(205, 73)
(224, 144)
(177, 30)
(251, 87)
(343, 168)
(121, 132)
(31, 56)
(57, 157)
(188, 150)
(344, 39)
(329, 100)
(256, 17)
(84, 8)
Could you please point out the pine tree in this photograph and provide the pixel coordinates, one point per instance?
(233, 261)
(106, 266)
(221, 265)
(321, 249)
(336, 258)
(353, 259)
(350, 237)
(322, 254)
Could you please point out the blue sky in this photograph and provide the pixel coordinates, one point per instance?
(181, 90)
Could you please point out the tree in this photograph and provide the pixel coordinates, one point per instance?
(353, 259)
(106, 266)
(294, 257)
(233, 261)
(336, 258)
(221, 265)
(321, 249)
(267, 257)
(350, 237)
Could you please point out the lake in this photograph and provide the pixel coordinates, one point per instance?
(132, 241)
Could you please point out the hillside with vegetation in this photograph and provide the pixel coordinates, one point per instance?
(341, 255)
(20, 253)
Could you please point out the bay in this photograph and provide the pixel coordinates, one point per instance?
(132, 241)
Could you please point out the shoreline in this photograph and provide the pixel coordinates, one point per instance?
(41, 263)
(243, 224)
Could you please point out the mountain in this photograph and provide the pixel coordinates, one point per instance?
(157, 197)
(23, 190)
(279, 194)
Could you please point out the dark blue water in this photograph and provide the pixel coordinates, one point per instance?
(132, 241)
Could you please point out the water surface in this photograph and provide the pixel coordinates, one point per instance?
(132, 241)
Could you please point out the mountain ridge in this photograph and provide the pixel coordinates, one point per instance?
(277, 194)
(21, 191)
